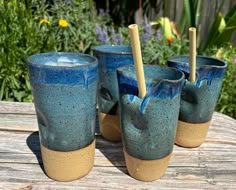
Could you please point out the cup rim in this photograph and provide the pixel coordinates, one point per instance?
(121, 69)
(100, 50)
(31, 62)
(223, 63)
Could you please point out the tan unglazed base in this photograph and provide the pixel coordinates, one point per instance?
(146, 170)
(68, 166)
(191, 134)
(109, 126)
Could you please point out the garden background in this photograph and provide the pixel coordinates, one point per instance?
(32, 26)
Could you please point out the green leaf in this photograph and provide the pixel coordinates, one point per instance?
(198, 10)
(217, 26)
(2, 89)
(190, 8)
(165, 23)
(226, 34)
(230, 14)
(222, 25)
(28, 86)
(182, 22)
(19, 95)
(187, 10)
(221, 29)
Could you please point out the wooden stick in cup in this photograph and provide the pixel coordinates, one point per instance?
(192, 54)
(135, 42)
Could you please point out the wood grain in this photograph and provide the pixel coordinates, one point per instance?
(210, 166)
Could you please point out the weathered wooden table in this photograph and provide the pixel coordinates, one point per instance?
(210, 166)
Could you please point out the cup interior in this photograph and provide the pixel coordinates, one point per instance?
(200, 61)
(153, 73)
(61, 59)
(113, 49)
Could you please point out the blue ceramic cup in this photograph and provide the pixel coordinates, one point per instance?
(149, 124)
(64, 87)
(110, 58)
(198, 99)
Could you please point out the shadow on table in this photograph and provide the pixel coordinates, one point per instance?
(113, 152)
(34, 145)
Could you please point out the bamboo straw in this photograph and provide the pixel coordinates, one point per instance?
(192, 54)
(135, 42)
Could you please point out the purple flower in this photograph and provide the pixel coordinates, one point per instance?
(234, 60)
(99, 33)
(102, 34)
(159, 34)
(119, 38)
(145, 38)
(106, 41)
(113, 36)
(147, 35)
(147, 27)
(102, 12)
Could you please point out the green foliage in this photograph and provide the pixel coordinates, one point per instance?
(191, 8)
(166, 26)
(158, 50)
(227, 101)
(155, 49)
(78, 35)
(221, 29)
(16, 43)
(31, 26)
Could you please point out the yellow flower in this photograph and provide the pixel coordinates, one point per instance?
(63, 23)
(44, 20)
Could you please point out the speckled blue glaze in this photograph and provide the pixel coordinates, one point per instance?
(110, 58)
(64, 98)
(149, 124)
(198, 99)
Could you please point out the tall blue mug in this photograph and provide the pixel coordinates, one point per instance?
(110, 57)
(198, 99)
(64, 87)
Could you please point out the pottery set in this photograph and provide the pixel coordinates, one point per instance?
(64, 87)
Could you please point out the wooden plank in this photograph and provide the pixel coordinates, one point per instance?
(21, 117)
(108, 152)
(16, 107)
(28, 122)
(190, 176)
(210, 166)
(22, 110)
(116, 178)
(26, 143)
(115, 158)
(199, 168)
(17, 116)
(18, 122)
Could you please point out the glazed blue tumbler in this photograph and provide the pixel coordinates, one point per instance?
(148, 124)
(64, 87)
(110, 57)
(198, 99)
